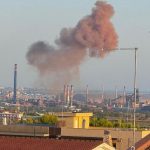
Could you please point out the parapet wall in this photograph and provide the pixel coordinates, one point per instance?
(24, 130)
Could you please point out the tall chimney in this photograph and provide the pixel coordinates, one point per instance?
(71, 95)
(116, 93)
(68, 97)
(65, 94)
(15, 83)
(124, 95)
(87, 92)
(102, 95)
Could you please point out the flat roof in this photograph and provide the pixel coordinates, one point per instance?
(71, 114)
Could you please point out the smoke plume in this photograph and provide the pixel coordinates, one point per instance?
(94, 35)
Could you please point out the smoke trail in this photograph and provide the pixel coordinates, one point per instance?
(93, 35)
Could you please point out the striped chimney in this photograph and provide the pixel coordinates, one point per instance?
(71, 95)
(65, 94)
(68, 93)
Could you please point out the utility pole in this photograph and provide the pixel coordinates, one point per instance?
(135, 87)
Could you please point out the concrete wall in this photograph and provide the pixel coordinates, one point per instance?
(69, 122)
(24, 130)
(76, 121)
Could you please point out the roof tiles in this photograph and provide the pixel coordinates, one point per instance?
(24, 143)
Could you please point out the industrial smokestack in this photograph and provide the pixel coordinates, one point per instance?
(87, 93)
(68, 95)
(15, 84)
(94, 35)
(65, 94)
(71, 95)
(116, 93)
(124, 95)
(102, 95)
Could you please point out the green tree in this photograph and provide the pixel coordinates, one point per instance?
(29, 121)
(49, 119)
(116, 124)
(100, 122)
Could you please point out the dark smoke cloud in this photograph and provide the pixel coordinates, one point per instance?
(93, 35)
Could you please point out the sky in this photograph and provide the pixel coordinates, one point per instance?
(23, 22)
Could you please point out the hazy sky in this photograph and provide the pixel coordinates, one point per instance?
(24, 22)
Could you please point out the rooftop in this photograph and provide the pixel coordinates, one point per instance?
(22, 143)
(144, 143)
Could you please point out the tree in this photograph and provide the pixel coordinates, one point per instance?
(29, 121)
(103, 122)
(49, 119)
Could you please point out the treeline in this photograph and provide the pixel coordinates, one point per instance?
(45, 119)
(103, 122)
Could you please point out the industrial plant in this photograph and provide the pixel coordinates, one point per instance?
(58, 114)
(77, 112)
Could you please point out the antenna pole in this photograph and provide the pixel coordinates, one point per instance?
(135, 87)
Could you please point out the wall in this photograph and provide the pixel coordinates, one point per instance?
(24, 130)
(78, 122)
(68, 122)
(124, 137)
(75, 120)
